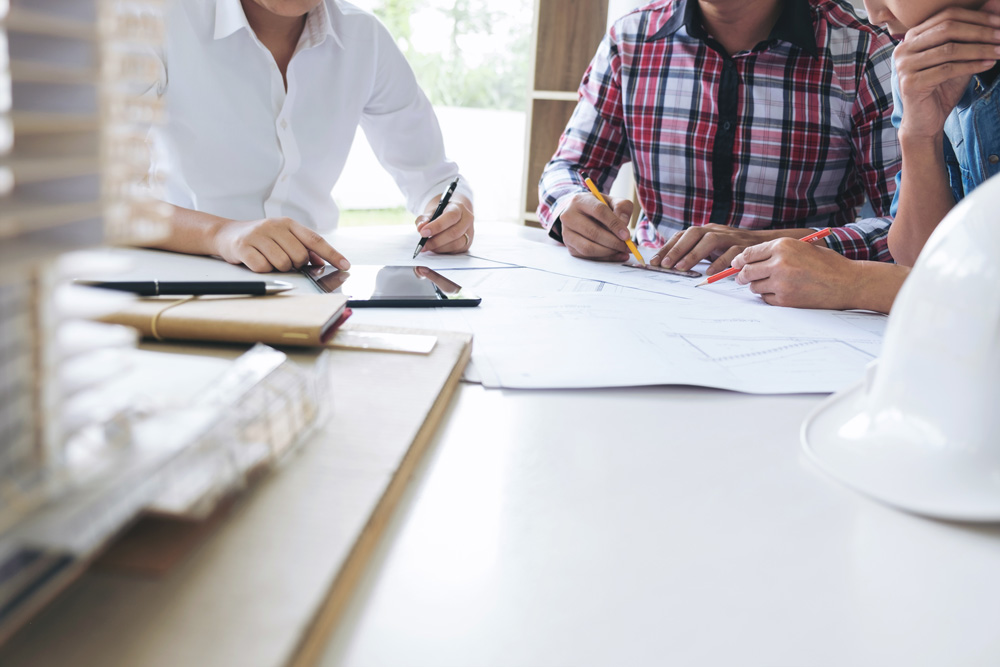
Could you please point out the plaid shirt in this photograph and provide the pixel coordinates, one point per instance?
(793, 133)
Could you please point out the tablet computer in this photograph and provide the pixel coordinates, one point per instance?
(390, 286)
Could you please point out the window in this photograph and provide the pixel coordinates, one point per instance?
(471, 57)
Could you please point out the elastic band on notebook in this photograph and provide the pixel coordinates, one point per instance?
(156, 317)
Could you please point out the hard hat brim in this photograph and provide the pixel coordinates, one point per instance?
(911, 476)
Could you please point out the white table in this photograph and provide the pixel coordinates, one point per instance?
(657, 526)
(542, 532)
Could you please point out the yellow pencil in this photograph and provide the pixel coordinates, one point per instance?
(597, 193)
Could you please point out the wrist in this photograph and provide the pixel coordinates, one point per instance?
(877, 285)
(922, 142)
(212, 236)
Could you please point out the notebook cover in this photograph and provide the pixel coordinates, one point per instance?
(296, 319)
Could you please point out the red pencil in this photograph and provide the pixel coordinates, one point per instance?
(815, 236)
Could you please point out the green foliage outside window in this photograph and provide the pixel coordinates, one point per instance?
(497, 79)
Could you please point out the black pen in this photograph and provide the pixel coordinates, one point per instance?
(173, 287)
(445, 198)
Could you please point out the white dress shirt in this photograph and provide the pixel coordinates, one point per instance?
(237, 144)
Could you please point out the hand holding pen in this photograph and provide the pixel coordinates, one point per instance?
(449, 228)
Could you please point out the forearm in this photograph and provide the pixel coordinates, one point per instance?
(877, 286)
(191, 232)
(925, 196)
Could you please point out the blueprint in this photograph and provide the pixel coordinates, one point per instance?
(604, 339)
(554, 321)
(394, 246)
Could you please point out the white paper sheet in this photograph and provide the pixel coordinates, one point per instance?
(394, 246)
(547, 255)
(598, 339)
(572, 323)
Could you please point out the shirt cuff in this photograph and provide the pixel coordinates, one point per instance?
(560, 206)
(853, 244)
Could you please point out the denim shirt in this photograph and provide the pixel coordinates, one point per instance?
(972, 136)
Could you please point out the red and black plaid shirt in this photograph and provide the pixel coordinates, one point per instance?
(793, 133)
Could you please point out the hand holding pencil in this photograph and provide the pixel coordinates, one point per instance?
(788, 272)
(595, 226)
(815, 236)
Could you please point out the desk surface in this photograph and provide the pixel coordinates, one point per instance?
(539, 530)
(541, 533)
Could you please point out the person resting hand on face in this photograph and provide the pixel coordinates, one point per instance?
(947, 109)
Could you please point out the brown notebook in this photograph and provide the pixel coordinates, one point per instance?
(277, 320)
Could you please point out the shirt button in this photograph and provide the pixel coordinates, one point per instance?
(994, 159)
(726, 125)
(284, 124)
(284, 178)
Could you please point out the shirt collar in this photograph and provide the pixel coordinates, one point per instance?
(794, 24)
(230, 18)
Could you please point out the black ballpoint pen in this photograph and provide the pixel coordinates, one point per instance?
(173, 287)
(445, 198)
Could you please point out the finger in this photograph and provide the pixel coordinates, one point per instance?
(582, 225)
(946, 38)
(292, 246)
(623, 210)
(315, 259)
(318, 245)
(950, 52)
(681, 245)
(671, 242)
(953, 19)
(764, 287)
(273, 253)
(451, 216)
(615, 223)
(709, 244)
(724, 260)
(255, 261)
(930, 79)
(452, 236)
(772, 299)
(452, 240)
(757, 253)
(454, 247)
(581, 246)
(757, 271)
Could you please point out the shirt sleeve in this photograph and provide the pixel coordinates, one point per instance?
(593, 142)
(403, 131)
(877, 161)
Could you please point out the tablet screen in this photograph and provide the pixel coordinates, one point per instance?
(390, 286)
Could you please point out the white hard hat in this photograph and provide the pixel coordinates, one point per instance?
(923, 431)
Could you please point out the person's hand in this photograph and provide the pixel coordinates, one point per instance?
(936, 61)
(591, 230)
(787, 272)
(718, 243)
(452, 231)
(273, 243)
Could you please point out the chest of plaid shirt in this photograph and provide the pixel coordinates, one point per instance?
(796, 132)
